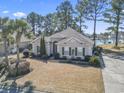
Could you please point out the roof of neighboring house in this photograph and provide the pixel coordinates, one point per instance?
(67, 35)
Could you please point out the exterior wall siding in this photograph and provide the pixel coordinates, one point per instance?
(88, 51)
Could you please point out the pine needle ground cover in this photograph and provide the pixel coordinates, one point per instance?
(63, 78)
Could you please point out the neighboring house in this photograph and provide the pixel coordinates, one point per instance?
(24, 42)
(68, 43)
(112, 37)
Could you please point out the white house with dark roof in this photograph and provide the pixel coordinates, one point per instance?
(68, 43)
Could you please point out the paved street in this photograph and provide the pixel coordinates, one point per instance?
(113, 74)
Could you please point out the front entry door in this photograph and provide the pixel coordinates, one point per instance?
(54, 48)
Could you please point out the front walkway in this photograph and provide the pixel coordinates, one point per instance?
(113, 74)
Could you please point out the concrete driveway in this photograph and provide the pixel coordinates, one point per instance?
(113, 74)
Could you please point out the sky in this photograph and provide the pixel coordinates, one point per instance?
(21, 8)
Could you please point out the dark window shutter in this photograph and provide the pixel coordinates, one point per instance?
(62, 50)
(83, 51)
(70, 51)
(76, 51)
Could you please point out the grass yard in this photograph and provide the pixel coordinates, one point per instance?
(108, 48)
(63, 78)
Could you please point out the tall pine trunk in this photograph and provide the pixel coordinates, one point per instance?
(94, 33)
(80, 25)
(117, 28)
(33, 29)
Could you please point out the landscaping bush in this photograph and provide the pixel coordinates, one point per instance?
(44, 56)
(57, 56)
(65, 61)
(2, 65)
(116, 47)
(87, 58)
(12, 60)
(78, 58)
(32, 55)
(96, 53)
(26, 53)
(94, 60)
(72, 58)
(64, 57)
(23, 68)
(97, 50)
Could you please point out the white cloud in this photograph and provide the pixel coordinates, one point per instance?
(5, 12)
(19, 14)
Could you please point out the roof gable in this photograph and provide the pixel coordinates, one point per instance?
(69, 32)
(72, 42)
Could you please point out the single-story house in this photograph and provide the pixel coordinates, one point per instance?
(24, 43)
(68, 43)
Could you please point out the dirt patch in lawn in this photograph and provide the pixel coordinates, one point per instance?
(63, 78)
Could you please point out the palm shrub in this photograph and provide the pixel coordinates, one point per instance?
(94, 60)
(6, 26)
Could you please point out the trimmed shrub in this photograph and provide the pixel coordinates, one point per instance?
(87, 58)
(97, 50)
(78, 58)
(12, 60)
(64, 57)
(44, 57)
(51, 55)
(57, 56)
(94, 61)
(23, 68)
(26, 53)
(72, 58)
(32, 55)
(2, 65)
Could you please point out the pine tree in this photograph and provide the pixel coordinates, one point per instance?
(35, 20)
(42, 46)
(115, 16)
(65, 14)
(95, 10)
(81, 12)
